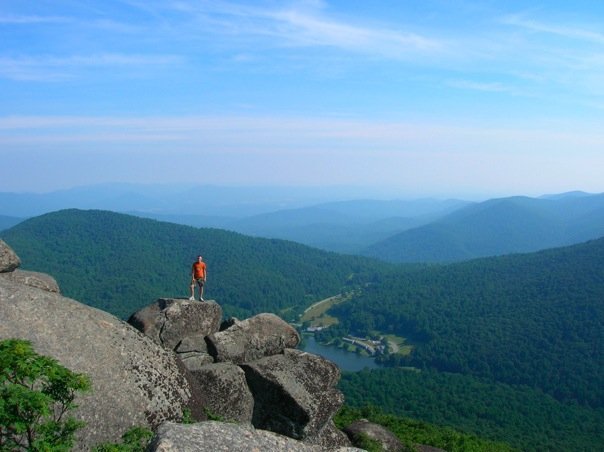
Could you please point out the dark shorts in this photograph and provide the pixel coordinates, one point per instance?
(200, 281)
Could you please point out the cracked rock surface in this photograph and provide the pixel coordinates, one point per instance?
(223, 437)
(170, 320)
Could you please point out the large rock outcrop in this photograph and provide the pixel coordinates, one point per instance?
(362, 428)
(135, 382)
(252, 339)
(168, 321)
(218, 436)
(226, 390)
(255, 374)
(294, 393)
(9, 261)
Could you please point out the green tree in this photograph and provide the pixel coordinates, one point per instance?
(37, 394)
(136, 439)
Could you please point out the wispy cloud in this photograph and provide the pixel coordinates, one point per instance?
(495, 87)
(579, 33)
(57, 68)
(305, 24)
(311, 29)
(299, 134)
(8, 19)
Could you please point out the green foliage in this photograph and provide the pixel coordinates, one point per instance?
(412, 432)
(366, 443)
(520, 416)
(532, 319)
(136, 439)
(187, 416)
(120, 263)
(36, 395)
(211, 416)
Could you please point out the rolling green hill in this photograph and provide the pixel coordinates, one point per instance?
(535, 319)
(497, 227)
(120, 263)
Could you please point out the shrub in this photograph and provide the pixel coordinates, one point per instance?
(134, 440)
(37, 394)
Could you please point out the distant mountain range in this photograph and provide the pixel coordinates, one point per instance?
(305, 215)
(498, 227)
(422, 230)
(8, 222)
(186, 199)
(345, 227)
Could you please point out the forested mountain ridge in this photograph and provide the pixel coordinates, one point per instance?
(535, 319)
(120, 263)
(497, 227)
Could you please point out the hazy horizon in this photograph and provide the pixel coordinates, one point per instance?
(471, 100)
(323, 193)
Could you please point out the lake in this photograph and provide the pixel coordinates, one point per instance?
(345, 360)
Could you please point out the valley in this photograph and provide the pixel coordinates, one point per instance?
(316, 321)
(484, 336)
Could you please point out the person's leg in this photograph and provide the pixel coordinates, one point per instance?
(192, 297)
(201, 284)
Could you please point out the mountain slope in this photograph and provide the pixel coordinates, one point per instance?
(525, 418)
(120, 263)
(497, 227)
(345, 226)
(8, 222)
(534, 319)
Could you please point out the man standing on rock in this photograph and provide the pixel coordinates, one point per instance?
(198, 276)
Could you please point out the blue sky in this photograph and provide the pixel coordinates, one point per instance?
(445, 98)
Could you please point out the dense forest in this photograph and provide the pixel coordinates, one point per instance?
(506, 348)
(412, 432)
(535, 319)
(120, 263)
(520, 416)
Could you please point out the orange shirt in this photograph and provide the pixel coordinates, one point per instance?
(199, 270)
